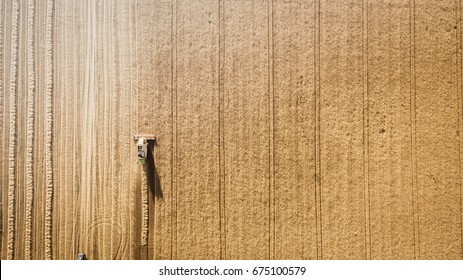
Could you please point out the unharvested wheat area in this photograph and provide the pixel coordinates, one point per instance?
(304, 129)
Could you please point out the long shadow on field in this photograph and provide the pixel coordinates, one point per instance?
(152, 173)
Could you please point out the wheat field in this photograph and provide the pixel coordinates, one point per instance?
(304, 129)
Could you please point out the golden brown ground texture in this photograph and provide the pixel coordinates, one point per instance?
(302, 129)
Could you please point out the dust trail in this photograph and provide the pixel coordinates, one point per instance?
(49, 129)
(30, 124)
(12, 132)
(144, 197)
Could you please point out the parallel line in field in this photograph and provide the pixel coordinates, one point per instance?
(416, 220)
(366, 124)
(30, 124)
(459, 108)
(270, 47)
(1, 113)
(222, 209)
(318, 199)
(12, 131)
(174, 129)
(49, 129)
(75, 157)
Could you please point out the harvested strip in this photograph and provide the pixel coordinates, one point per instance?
(49, 130)
(30, 125)
(145, 214)
(12, 132)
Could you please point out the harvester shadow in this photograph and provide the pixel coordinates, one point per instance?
(152, 175)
